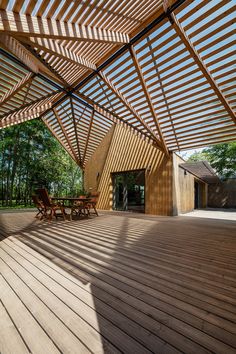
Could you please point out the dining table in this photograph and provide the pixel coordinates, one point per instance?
(70, 202)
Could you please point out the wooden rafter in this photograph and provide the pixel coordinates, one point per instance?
(113, 117)
(160, 94)
(28, 105)
(148, 98)
(194, 54)
(53, 47)
(44, 119)
(44, 66)
(88, 136)
(66, 136)
(25, 115)
(129, 107)
(26, 56)
(16, 88)
(27, 25)
(14, 46)
(162, 90)
(75, 129)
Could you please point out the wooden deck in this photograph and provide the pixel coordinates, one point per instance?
(117, 283)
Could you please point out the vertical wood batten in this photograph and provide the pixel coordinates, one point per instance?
(123, 151)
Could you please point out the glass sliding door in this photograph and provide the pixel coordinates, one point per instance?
(129, 191)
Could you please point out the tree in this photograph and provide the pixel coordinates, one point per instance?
(31, 157)
(222, 158)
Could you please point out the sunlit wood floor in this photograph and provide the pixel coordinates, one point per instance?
(117, 283)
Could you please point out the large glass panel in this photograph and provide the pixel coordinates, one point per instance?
(129, 191)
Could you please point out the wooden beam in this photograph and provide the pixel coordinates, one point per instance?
(66, 136)
(27, 25)
(58, 138)
(32, 62)
(75, 128)
(129, 107)
(201, 65)
(24, 115)
(16, 88)
(88, 136)
(148, 98)
(44, 66)
(53, 47)
(12, 45)
(162, 88)
(115, 118)
(30, 104)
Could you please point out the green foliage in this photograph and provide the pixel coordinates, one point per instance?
(30, 157)
(222, 158)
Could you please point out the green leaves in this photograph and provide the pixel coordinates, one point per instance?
(222, 158)
(31, 157)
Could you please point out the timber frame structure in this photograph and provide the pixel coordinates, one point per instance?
(163, 69)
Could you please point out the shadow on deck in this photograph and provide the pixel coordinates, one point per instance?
(118, 283)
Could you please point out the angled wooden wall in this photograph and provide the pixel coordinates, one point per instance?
(123, 151)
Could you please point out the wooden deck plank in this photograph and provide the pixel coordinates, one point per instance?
(109, 294)
(101, 257)
(148, 259)
(59, 333)
(164, 318)
(76, 305)
(140, 283)
(10, 339)
(25, 322)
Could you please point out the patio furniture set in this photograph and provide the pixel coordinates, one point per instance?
(49, 207)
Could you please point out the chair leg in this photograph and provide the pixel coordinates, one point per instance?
(95, 210)
(63, 213)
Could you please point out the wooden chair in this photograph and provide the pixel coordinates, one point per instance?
(39, 205)
(78, 207)
(49, 206)
(91, 204)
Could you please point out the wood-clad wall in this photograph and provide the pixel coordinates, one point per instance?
(123, 151)
(94, 168)
(183, 189)
(186, 185)
(222, 195)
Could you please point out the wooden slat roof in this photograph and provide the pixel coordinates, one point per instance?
(163, 69)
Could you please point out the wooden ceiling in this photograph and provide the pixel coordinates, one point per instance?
(163, 69)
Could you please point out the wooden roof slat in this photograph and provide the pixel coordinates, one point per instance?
(27, 25)
(201, 66)
(166, 90)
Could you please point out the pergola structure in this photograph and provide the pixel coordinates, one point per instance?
(163, 69)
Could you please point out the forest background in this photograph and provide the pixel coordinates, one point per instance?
(30, 158)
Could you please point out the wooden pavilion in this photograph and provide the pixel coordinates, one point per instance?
(122, 85)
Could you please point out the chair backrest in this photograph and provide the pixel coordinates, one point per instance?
(44, 196)
(94, 197)
(82, 197)
(95, 194)
(36, 200)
